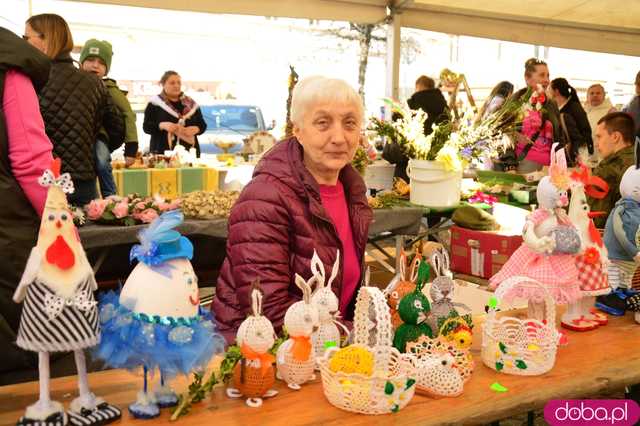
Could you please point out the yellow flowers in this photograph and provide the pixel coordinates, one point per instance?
(448, 155)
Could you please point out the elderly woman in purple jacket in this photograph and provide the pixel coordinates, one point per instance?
(304, 196)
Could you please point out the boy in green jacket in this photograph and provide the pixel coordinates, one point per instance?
(96, 58)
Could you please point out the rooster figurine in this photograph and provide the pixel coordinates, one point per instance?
(60, 312)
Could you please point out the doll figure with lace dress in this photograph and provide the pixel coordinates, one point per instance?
(550, 243)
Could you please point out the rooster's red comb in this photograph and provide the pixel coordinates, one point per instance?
(56, 165)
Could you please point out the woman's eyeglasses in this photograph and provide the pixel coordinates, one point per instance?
(26, 37)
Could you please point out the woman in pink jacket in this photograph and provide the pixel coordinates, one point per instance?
(25, 152)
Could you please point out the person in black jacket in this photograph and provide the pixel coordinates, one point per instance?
(172, 117)
(576, 122)
(429, 99)
(74, 105)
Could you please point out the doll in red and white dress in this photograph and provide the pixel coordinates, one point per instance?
(550, 243)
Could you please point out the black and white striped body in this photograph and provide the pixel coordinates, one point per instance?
(72, 329)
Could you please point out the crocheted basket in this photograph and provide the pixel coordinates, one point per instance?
(426, 347)
(521, 347)
(391, 385)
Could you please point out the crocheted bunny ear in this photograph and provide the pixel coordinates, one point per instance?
(256, 298)
(561, 159)
(558, 172)
(553, 155)
(317, 268)
(305, 287)
(334, 270)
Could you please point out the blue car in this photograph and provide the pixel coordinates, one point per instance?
(229, 123)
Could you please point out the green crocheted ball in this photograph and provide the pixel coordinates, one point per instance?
(414, 307)
(409, 333)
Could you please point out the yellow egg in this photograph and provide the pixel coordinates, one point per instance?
(533, 347)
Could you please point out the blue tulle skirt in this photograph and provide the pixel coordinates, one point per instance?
(173, 345)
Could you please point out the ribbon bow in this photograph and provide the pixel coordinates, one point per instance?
(53, 304)
(593, 185)
(63, 181)
(301, 347)
(266, 359)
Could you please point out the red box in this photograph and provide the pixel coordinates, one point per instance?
(481, 253)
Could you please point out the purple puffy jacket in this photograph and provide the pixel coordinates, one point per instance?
(273, 229)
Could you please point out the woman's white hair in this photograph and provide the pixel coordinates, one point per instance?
(320, 89)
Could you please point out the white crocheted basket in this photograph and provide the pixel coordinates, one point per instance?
(426, 348)
(521, 347)
(391, 386)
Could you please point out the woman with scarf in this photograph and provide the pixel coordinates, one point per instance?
(173, 118)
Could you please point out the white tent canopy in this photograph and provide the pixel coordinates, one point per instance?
(610, 26)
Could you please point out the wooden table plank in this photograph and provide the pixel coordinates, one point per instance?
(592, 363)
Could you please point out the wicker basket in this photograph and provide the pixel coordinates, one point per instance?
(521, 347)
(391, 386)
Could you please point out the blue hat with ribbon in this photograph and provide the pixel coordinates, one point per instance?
(159, 242)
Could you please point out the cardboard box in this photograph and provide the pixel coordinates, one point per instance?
(481, 253)
(211, 179)
(164, 182)
(191, 179)
(132, 181)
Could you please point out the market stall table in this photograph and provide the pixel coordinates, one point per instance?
(593, 363)
(396, 222)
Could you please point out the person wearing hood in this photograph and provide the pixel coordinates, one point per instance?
(74, 105)
(304, 197)
(596, 107)
(23, 72)
(429, 99)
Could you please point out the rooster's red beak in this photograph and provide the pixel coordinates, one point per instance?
(596, 214)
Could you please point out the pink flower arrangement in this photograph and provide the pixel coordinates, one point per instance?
(96, 208)
(128, 211)
(147, 216)
(121, 209)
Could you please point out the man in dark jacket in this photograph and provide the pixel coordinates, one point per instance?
(19, 222)
(429, 99)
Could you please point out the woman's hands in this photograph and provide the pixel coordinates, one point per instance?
(168, 126)
(186, 134)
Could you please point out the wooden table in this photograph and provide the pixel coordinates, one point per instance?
(591, 364)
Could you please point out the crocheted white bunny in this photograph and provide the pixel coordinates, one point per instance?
(327, 303)
(254, 376)
(295, 358)
(441, 291)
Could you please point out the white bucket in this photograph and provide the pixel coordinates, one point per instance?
(379, 175)
(432, 185)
